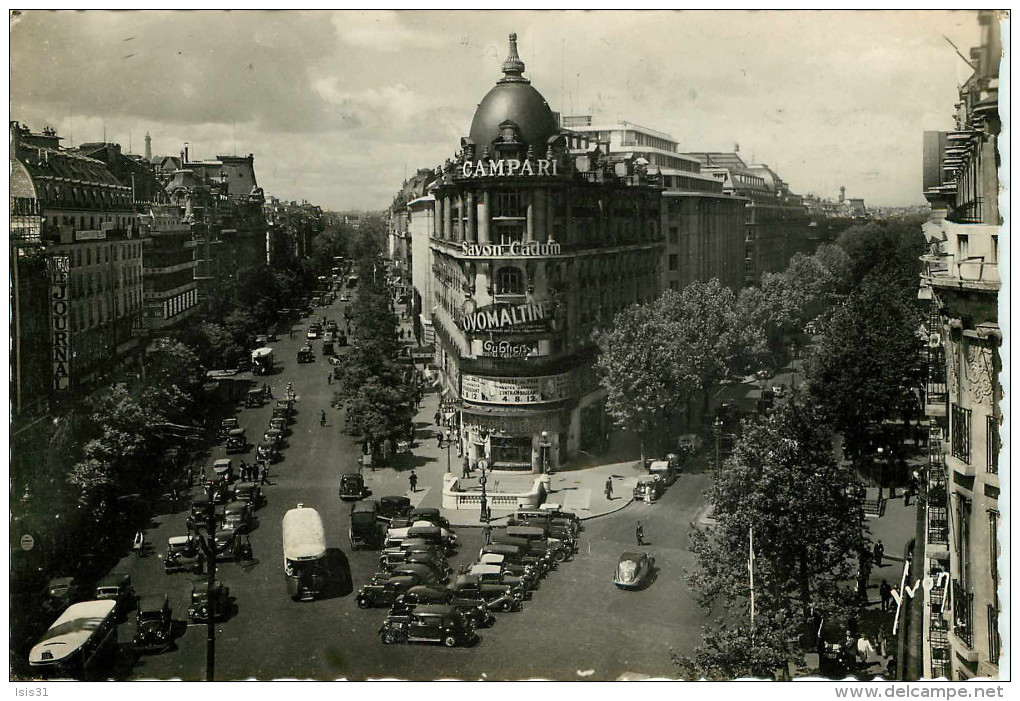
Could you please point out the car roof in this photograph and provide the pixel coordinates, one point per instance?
(400, 579)
(631, 555)
(489, 558)
(484, 569)
(362, 507)
(178, 540)
(411, 567)
(236, 431)
(525, 530)
(61, 581)
(430, 588)
(435, 610)
(392, 499)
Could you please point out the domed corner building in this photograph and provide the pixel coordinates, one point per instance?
(537, 237)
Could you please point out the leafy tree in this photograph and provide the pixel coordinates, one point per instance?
(171, 363)
(637, 367)
(890, 248)
(867, 364)
(783, 484)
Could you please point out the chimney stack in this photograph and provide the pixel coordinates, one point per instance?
(186, 155)
(148, 147)
(842, 194)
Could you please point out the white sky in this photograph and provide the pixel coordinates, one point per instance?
(335, 105)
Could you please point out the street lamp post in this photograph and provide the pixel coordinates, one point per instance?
(207, 541)
(544, 445)
(717, 427)
(449, 437)
(483, 463)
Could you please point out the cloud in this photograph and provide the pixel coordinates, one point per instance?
(333, 105)
(383, 31)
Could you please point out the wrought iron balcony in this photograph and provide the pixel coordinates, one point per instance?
(963, 614)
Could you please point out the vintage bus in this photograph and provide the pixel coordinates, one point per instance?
(76, 641)
(262, 361)
(304, 553)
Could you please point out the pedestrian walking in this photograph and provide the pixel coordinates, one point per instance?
(885, 591)
(439, 439)
(329, 378)
(265, 473)
(487, 532)
(413, 480)
(436, 417)
(878, 553)
(322, 418)
(292, 334)
(139, 543)
(466, 470)
(648, 494)
(640, 533)
(609, 489)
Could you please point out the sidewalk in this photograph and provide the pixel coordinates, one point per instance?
(580, 491)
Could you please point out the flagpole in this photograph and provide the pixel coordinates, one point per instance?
(750, 570)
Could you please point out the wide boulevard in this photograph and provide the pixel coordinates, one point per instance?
(577, 626)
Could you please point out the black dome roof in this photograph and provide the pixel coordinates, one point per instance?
(513, 98)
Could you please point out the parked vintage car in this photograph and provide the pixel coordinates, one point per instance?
(313, 332)
(430, 594)
(438, 564)
(650, 485)
(542, 550)
(226, 541)
(305, 354)
(154, 624)
(430, 514)
(396, 555)
(494, 574)
(267, 452)
(278, 424)
(518, 555)
(391, 507)
(237, 442)
(198, 612)
(281, 414)
(61, 592)
(555, 527)
(557, 511)
(667, 470)
(117, 587)
(228, 425)
(495, 596)
(274, 436)
(238, 516)
(327, 347)
(331, 325)
(365, 530)
(633, 570)
(429, 624)
(250, 493)
(383, 590)
(352, 486)
(224, 469)
(254, 398)
(527, 573)
(424, 573)
(220, 490)
(561, 550)
(198, 517)
(183, 554)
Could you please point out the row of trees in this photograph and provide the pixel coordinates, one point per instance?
(377, 392)
(660, 360)
(785, 484)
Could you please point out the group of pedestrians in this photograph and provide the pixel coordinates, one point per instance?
(254, 472)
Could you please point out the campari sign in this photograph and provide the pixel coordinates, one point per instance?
(508, 168)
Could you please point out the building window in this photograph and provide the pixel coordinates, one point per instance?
(509, 282)
(994, 641)
(88, 255)
(963, 243)
(960, 433)
(674, 234)
(674, 261)
(508, 204)
(992, 444)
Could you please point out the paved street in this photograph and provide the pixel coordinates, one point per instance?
(578, 625)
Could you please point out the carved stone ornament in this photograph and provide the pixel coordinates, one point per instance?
(979, 374)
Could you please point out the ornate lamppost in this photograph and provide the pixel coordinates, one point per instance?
(206, 534)
(545, 446)
(482, 464)
(449, 438)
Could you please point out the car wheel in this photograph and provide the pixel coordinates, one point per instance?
(508, 605)
(388, 638)
(362, 603)
(560, 556)
(450, 641)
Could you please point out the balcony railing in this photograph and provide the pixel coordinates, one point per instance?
(967, 213)
(938, 525)
(963, 614)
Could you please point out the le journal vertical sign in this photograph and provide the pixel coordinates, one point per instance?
(60, 311)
